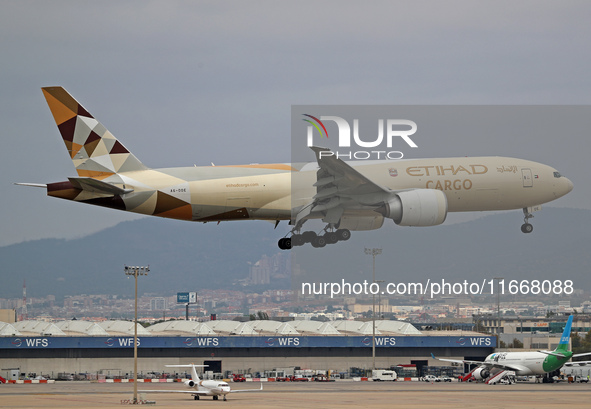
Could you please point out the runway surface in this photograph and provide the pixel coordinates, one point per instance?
(342, 394)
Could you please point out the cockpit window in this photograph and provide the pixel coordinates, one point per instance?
(557, 175)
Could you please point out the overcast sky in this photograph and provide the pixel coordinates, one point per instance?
(183, 83)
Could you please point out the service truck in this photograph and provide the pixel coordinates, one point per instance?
(383, 375)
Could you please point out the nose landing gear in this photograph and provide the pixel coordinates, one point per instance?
(526, 227)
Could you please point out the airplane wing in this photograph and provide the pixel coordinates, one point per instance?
(487, 364)
(459, 361)
(193, 392)
(578, 363)
(339, 186)
(343, 176)
(247, 390)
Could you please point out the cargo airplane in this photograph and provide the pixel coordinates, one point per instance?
(345, 196)
(203, 388)
(496, 366)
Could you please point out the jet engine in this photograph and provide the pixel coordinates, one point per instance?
(360, 220)
(481, 373)
(418, 207)
(190, 383)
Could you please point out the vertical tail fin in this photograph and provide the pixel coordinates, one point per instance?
(94, 150)
(565, 338)
(194, 375)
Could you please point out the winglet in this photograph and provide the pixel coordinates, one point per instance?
(433, 356)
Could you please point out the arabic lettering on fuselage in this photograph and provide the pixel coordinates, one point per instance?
(504, 169)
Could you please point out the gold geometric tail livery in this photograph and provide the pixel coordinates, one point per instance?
(345, 196)
(94, 150)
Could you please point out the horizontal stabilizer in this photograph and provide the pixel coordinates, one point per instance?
(31, 184)
(557, 354)
(98, 186)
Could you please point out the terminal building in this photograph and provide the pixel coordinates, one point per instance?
(106, 348)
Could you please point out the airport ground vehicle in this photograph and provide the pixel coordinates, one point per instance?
(383, 375)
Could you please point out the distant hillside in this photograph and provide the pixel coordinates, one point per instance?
(191, 256)
(181, 256)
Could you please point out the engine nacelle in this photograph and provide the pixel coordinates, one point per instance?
(360, 220)
(190, 383)
(418, 207)
(481, 373)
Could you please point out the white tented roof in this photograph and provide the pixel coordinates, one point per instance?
(397, 327)
(180, 327)
(83, 327)
(225, 327)
(314, 327)
(122, 328)
(273, 327)
(355, 327)
(7, 329)
(37, 328)
(383, 327)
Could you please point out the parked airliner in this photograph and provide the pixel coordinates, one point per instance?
(497, 365)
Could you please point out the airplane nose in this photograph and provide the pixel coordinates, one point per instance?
(568, 185)
(563, 187)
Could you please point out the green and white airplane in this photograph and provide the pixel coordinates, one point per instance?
(497, 365)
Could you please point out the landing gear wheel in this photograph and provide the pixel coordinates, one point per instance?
(284, 243)
(297, 240)
(343, 234)
(308, 236)
(215, 397)
(331, 237)
(527, 228)
(319, 242)
(225, 399)
(196, 397)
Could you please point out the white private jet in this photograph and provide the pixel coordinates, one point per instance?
(214, 388)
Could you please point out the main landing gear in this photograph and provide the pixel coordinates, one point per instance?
(329, 237)
(526, 227)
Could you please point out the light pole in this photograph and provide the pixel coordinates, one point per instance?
(373, 252)
(380, 313)
(498, 311)
(135, 271)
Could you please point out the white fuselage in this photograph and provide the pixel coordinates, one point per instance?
(270, 192)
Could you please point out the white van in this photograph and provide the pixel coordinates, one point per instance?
(383, 375)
